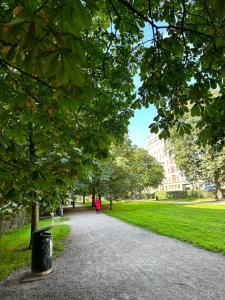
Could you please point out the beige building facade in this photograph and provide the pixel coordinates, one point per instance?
(174, 181)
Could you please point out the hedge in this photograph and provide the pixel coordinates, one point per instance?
(10, 221)
(185, 194)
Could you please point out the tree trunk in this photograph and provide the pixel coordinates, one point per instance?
(93, 197)
(34, 220)
(35, 204)
(219, 193)
(110, 204)
(100, 198)
(84, 198)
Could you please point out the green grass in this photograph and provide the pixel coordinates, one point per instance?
(89, 202)
(201, 224)
(106, 202)
(14, 253)
(187, 199)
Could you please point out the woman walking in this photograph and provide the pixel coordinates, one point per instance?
(97, 205)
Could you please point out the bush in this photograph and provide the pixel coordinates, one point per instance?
(185, 194)
(10, 221)
(161, 195)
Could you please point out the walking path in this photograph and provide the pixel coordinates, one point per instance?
(108, 259)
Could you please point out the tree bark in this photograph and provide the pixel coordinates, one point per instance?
(93, 197)
(34, 220)
(110, 204)
(84, 198)
(100, 198)
(219, 193)
(35, 204)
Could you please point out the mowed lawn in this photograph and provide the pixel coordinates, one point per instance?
(14, 253)
(201, 225)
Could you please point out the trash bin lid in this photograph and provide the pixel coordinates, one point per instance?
(43, 229)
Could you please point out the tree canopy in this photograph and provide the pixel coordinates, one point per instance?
(201, 165)
(66, 72)
(128, 171)
(56, 103)
(73, 48)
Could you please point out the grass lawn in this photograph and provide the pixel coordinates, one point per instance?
(201, 224)
(189, 200)
(89, 202)
(14, 253)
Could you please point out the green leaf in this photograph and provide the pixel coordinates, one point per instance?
(219, 7)
(35, 175)
(8, 26)
(11, 194)
(195, 93)
(196, 110)
(49, 64)
(154, 128)
(76, 75)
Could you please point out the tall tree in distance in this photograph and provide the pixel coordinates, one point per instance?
(128, 171)
(200, 165)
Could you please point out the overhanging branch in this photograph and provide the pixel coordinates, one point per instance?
(5, 63)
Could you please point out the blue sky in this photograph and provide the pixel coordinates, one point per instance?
(138, 129)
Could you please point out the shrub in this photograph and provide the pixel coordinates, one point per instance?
(13, 219)
(185, 194)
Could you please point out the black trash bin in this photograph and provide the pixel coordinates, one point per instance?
(41, 252)
(59, 212)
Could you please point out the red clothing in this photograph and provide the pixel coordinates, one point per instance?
(97, 203)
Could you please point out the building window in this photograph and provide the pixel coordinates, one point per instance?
(172, 170)
(173, 177)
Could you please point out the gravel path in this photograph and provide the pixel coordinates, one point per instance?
(108, 259)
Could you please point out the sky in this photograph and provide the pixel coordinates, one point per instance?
(138, 129)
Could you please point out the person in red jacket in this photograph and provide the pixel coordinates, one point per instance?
(97, 205)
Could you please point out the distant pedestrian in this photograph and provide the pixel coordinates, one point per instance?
(97, 205)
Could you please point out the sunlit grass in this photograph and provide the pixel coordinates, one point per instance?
(202, 225)
(189, 199)
(14, 253)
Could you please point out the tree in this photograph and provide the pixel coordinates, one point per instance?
(129, 171)
(181, 59)
(199, 164)
(183, 63)
(67, 68)
(47, 84)
(149, 171)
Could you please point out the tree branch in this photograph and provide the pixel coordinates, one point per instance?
(40, 8)
(143, 17)
(138, 13)
(26, 74)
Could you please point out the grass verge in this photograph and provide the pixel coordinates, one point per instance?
(201, 224)
(14, 253)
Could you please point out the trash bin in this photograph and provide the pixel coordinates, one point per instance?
(41, 251)
(59, 212)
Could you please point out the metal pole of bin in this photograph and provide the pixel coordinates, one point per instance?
(41, 252)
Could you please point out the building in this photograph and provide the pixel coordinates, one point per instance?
(174, 181)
